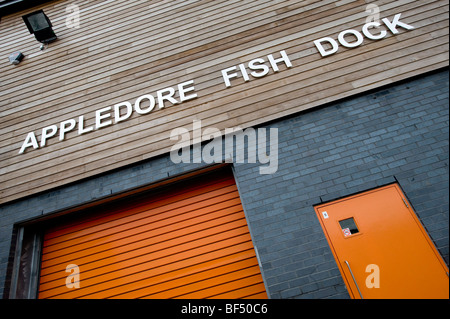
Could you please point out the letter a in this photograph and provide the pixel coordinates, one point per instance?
(373, 280)
(73, 19)
(73, 280)
(30, 140)
(182, 145)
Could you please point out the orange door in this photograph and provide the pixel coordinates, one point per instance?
(191, 242)
(381, 248)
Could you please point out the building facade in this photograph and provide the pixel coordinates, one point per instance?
(225, 149)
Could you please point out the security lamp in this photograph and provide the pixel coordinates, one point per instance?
(39, 25)
(16, 57)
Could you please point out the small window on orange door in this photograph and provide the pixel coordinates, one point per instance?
(348, 226)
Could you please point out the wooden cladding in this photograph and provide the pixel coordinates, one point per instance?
(191, 243)
(125, 49)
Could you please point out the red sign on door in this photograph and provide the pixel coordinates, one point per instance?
(346, 232)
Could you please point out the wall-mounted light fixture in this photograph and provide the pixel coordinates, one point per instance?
(16, 57)
(39, 25)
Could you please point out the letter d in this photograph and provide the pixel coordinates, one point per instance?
(323, 52)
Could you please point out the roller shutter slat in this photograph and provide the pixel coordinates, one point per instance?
(133, 245)
(134, 267)
(136, 214)
(172, 288)
(134, 258)
(214, 258)
(145, 226)
(215, 283)
(150, 283)
(131, 208)
(189, 243)
(227, 286)
(151, 237)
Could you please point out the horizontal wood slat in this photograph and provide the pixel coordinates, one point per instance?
(198, 244)
(124, 49)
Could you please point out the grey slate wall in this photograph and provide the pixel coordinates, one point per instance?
(398, 133)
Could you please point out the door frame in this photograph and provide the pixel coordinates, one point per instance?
(345, 273)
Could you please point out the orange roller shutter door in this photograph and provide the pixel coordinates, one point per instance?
(191, 242)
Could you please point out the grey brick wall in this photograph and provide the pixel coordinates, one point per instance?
(398, 133)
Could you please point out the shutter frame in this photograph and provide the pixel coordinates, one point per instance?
(190, 241)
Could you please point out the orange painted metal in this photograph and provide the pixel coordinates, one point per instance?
(391, 256)
(190, 243)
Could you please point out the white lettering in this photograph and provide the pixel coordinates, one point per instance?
(30, 140)
(73, 19)
(182, 90)
(73, 280)
(226, 76)
(151, 106)
(81, 129)
(255, 64)
(166, 95)
(182, 145)
(197, 140)
(373, 279)
(258, 64)
(118, 117)
(272, 158)
(322, 50)
(396, 22)
(372, 23)
(374, 13)
(240, 135)
(212, 152)
(99, 117)
(104, 117)
(65, 127)
(368, 34)
(48, 132)
(198, 309)
(244, 72)
(345, 43)
(248, 147)
(274, 62)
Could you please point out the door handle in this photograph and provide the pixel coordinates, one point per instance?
(354, 280)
